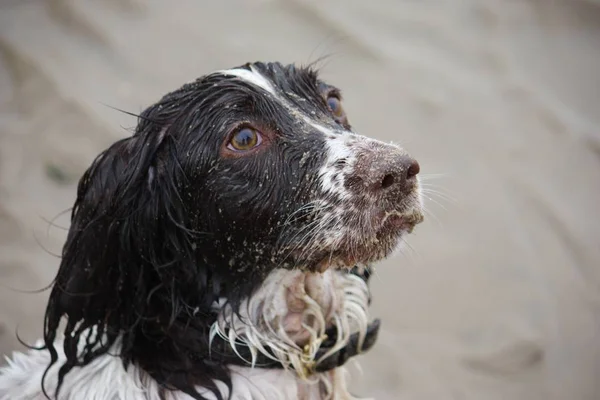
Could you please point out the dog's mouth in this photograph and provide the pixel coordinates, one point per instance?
(362, 247)
(400, 222)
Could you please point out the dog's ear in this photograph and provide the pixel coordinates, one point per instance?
(129, 250)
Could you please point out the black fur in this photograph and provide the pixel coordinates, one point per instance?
(164, 224)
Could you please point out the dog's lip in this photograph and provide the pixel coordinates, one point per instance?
(393, 220)
(400, 220)
(389, 223)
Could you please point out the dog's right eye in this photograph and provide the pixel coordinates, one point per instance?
(244, 139)
(335, 105)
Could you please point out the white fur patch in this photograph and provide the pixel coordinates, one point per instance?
(331, 178)
(321, 128)
(290, 313)
(106, 379)
(251, 76)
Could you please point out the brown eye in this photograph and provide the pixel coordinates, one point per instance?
(335, 105)
(245, 139)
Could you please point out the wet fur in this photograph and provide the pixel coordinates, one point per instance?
(331, 296)
(172, 243)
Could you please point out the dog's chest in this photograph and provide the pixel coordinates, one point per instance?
(274, 384)
(106, 379)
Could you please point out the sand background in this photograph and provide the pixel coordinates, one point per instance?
(498, 295)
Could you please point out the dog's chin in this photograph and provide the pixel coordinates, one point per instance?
(373, 246)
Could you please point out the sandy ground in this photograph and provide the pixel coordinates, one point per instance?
(498, 294)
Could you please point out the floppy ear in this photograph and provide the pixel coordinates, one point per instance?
(128, 239)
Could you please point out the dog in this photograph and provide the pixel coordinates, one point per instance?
(223, 250)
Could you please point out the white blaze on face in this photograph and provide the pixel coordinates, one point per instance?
(338, 149)
(258, 80)
(251, 76)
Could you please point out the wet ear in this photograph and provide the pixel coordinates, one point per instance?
(127, 226)
(129, 267)
(109, 197)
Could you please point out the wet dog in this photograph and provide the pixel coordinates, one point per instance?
(223, 250)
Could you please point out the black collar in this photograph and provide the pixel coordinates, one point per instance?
(222, 351)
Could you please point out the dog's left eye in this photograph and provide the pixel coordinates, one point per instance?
(244, 139)
(335, 105)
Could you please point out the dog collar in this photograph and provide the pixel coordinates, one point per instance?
(222, 351)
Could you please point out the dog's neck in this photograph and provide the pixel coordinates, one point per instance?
(287, 318)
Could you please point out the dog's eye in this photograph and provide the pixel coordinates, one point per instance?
(335, 105)
(245, 139)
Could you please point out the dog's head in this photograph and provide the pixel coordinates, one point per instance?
(225, 179)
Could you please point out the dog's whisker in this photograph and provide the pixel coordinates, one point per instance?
(412, 252)
(315, 205)
(314, 216)
(427, 177)
(319, 225)
(306, 231)
(441, 195)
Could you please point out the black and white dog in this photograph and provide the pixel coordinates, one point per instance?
(223, 251)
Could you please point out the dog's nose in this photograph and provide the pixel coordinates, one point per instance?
(383, 170)
(397, 172)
